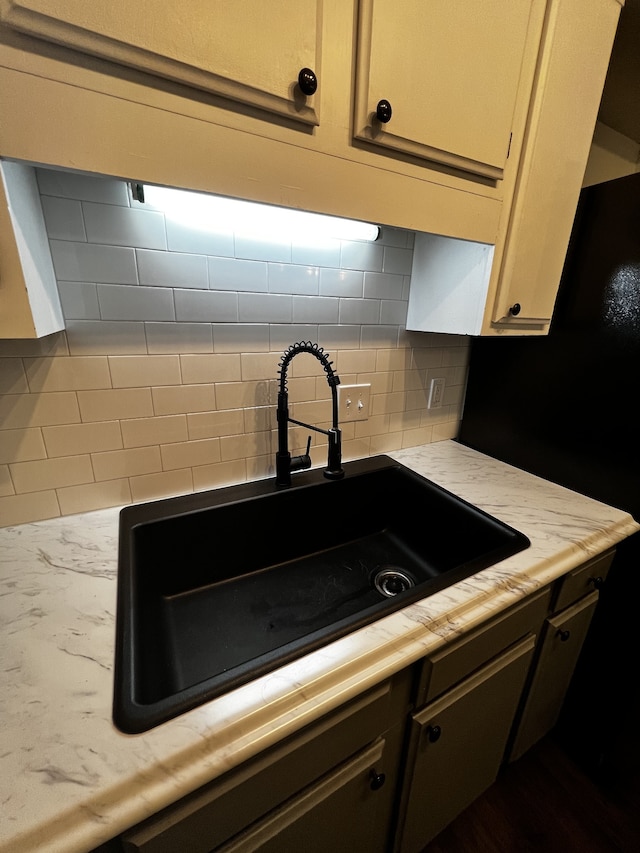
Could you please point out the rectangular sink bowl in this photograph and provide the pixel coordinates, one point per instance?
(218, 588)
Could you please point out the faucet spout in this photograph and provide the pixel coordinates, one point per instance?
(285, 463)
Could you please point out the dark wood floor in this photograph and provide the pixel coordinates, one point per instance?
(545, 803)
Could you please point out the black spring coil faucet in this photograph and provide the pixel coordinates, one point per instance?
(285, 463)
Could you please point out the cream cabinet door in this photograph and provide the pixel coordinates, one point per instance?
(249, 51)
(564, 637)
(448, 71)
(457, 744)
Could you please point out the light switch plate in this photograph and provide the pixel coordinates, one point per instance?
(436, 393)
(354, 402)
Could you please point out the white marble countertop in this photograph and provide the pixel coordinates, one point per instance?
(69, 780)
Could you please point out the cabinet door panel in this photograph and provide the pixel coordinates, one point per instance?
(446, 774)
(450, 70)
(341, 812)
(572, 66)
(250, 52)
(563, 638)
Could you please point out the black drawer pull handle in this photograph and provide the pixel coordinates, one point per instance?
(564, 635)
(597, 582)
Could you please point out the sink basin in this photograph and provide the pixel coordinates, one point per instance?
(220, 587)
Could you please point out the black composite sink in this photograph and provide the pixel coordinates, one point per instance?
(220, 587)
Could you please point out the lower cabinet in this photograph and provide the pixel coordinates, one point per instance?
(393, 767)
(457, 744)
(562, 637)
(332, 784)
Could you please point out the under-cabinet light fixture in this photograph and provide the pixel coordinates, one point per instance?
(219, 213)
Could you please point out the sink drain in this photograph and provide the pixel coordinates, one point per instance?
(390, 581)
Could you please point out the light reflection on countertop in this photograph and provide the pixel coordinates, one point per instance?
(69, 780)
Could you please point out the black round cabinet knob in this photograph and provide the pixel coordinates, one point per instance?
(377, 780)
(307, 81)
(433, 733)
(384, 111)
(564, 635)
(598, 582)
(515, 309)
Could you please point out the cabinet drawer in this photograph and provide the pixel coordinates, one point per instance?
(457, 660)
(216, 813)
(342, 811)
(582, 580)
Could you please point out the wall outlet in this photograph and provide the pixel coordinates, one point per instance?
(354, 402)
(436, 393)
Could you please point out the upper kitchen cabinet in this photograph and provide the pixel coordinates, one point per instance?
(491, 109)
(254, 55)
(439, 79)
(510, 287)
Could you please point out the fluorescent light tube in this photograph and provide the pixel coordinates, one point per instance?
(219, 213)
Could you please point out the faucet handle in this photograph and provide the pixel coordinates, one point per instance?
(300, 463)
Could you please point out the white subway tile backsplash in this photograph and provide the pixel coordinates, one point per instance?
(237, 275)
(214, 424)
(339, 337)
(122, 226)
(336, 282)
(21, 411)
(186, 238)
(188, 326)
(70, 373)
(264, 308)
(361, 256)
(178, 337)
(240, 337)
(71, 439)
(90, 337)
(117, 404)
(172, 269)
(89, 262)
(163, 429)
(362, 311)
(206, 306)
(324, 253)
(13, 379)
(383, 286)
(140, 371)
(79, 300)
(282, 336)
(318, 309)
(122, 302)
(379, 336)
(183, 399)
(223, 367)
(94, 496)
(6, 483)
(21, 445)
(256, 249)
(63, 218)
(115, 464)
(395, 237)
(398, 261)
(285, 278)
(393, 312)
(51, 473)
(84, 187)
